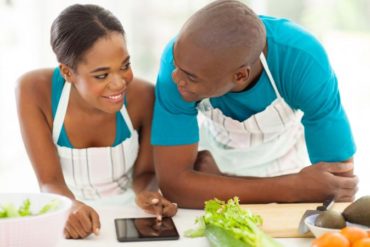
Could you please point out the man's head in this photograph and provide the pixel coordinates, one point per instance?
(216, 49)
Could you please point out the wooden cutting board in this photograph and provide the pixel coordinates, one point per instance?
(282, 220)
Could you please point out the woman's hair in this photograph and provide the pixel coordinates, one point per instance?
(77, 28)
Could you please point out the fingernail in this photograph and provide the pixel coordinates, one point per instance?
(96, 231)
(155, 200)
(159, 217)
(174, 203)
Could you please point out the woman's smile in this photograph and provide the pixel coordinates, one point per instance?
(115, 98)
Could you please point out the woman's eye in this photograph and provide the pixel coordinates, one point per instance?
(101, 77)
(126, 66)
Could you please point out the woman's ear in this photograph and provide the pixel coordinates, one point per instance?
(66, 72)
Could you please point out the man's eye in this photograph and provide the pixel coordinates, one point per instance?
(126, 66)
(101, 77)
(192, 79)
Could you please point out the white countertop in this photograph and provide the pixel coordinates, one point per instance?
(184, 220)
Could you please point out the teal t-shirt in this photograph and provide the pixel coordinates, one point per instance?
(122, 130)
(303, 76)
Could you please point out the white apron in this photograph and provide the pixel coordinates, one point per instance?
(96, 172)
(269, 143)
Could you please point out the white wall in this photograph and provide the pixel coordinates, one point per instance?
(24, 45)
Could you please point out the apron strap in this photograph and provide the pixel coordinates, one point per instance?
(61, 111)
(127, 118)
(269, 75)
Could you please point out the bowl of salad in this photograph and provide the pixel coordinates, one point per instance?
(32, 219)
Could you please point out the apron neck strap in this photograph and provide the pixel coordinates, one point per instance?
(61, 111)
(127, 118)
(269, 75)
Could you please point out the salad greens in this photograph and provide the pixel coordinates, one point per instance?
(227, 224)
(8, 210)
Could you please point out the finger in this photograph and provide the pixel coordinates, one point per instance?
(347, 196)
(170, 210)
(76, 225)
(95, 222)
(339, 167)
(66, 233)
(72, 232)
(348, 182)
(144, 199)
(84, 220)
(157, 208)
(157, 225)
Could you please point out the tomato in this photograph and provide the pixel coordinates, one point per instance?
(364, 242)
(353, 233)
(331, 239)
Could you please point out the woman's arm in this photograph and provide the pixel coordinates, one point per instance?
(140, 104)
(33, 97)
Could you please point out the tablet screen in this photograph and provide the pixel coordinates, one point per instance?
(145, 229)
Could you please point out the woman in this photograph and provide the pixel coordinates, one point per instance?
(86, 124)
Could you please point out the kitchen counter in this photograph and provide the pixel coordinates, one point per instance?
(184, 220)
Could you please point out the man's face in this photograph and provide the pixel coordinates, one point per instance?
(200, 74)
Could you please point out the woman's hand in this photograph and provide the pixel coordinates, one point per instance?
(155, 203)
(82, 221)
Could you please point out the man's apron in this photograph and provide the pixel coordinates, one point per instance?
(269, 143)
(96, 172)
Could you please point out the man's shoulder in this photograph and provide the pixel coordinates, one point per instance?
(287, 34)
(167, 54)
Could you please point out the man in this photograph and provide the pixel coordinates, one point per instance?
(251, 78)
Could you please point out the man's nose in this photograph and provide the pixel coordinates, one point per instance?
(177, 78)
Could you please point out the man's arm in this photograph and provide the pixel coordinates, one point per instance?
(181, 183)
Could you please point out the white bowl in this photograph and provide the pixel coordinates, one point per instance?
(318, 231)
(41, 230)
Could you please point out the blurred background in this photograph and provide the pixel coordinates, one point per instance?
(343, 26)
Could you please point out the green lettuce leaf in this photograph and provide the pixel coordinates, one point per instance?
(25, 208)
(49, 207)
(8, 210)
(227, 224)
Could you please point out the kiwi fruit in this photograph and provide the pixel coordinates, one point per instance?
(358, 212)
(330, 219)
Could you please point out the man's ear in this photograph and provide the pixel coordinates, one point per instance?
(66, 72)
(241, 76)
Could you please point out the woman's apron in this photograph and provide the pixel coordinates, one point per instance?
(269, 143)
(103, 173)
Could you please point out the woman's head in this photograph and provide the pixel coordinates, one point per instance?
(90, 46)
(77, 28)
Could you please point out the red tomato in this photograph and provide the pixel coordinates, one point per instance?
(331, 239)
(353, 234)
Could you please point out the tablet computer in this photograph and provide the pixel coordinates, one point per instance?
(145, 229)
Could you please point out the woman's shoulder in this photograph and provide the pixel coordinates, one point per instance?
(36, 83)
(140, 101)
(140, 90)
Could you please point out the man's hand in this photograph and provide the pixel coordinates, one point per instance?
(82, 221)
(322, 180)
(155, 203)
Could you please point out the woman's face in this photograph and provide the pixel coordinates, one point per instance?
(104, 73)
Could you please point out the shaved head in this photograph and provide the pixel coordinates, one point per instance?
(226, 29)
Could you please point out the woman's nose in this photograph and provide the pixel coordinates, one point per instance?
(118, 82)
